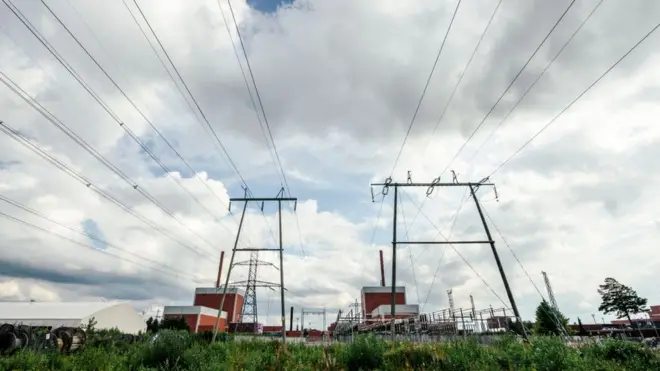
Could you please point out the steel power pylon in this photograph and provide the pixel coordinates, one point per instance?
(473, 187)
(249, 312)
(279, 198)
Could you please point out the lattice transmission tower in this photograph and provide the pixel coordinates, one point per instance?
(250, 312)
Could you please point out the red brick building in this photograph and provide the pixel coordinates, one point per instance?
(375, 296)
(211, 297)
(198, 318)
(203, 313)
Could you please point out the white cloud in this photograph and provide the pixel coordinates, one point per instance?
(339, 82)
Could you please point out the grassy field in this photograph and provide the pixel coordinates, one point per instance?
(180, 351)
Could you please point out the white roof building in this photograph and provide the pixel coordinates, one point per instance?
(108, 315)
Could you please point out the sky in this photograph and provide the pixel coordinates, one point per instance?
(129, 157)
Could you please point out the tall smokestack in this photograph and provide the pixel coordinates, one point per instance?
(222, 258)
(291, 320)
(382, 269)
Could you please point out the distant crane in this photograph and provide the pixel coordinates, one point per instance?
(551, 294)
(451, 300)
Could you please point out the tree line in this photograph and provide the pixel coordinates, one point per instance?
(616, 298)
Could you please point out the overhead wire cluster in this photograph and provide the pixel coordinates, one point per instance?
(35, 147)
(516, 104)
(159, 50)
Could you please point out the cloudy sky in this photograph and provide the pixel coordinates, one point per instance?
(129, 157)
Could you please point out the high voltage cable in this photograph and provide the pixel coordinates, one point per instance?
(503, 93)
(89, 235)
(34, 226)
(476, 129)
(221, 147)
(459, 254)
(195, 113)
(460, 79)
(247, 86)
(552, 313)
(458, 83)
(444, 251)
(426, 86)
(412, 120)
(512, 252)
(158, 132)
(254, 107)
(17, 136)
(256, 112)
(454, 218)
(504, 119)
(405, 228)
(199, 108)
(89, 149)
(576, 99)
(263, 111)
(98, 99)
(167, 170)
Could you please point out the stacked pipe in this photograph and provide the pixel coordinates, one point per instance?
(13, 338)
(65, 339)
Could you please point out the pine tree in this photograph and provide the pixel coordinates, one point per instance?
(549, 321)
(519, 328)
(581, 330)
(620, 299)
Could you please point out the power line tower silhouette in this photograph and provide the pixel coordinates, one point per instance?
(250, 312)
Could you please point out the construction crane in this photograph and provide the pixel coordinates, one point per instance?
(551, 294)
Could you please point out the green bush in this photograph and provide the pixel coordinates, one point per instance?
(163, 351)
(179, 350)
(364, 354)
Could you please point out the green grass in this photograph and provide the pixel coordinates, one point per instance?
(180, 351)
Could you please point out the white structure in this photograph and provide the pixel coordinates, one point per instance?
(108, 315)
(196, 310)
(399, 310)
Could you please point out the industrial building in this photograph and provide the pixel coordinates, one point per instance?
(202, 315)
(375, 297)
(211, 297)
(107, 315)
(197, 317)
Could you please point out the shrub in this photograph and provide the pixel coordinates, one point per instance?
(365, 353)
(410, 357)
(163, 351)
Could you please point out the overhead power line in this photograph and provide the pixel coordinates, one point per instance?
(414, 116)
(476, 129)
(91, 236)
(460, 79)
(405, 228)
(151, 124)
(98, 99)
(21, 139)
(426, 86)
(459, 254)
(36, 227)
(222, 148)
(265, 117)
(646, 36)
(451, 97)
(89, 149)
(522, 97)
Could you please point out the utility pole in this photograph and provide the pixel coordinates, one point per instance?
(279, 198)
(473, 187)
